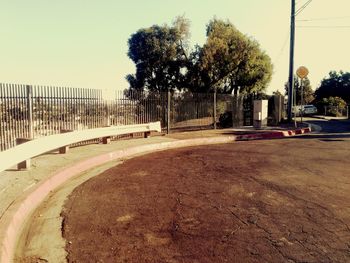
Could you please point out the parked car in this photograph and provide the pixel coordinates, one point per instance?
(309, 110)
(306, 109)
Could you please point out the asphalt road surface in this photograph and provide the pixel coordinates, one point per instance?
(330, 126)
(257, 201)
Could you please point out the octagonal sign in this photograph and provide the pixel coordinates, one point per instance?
(302, 72)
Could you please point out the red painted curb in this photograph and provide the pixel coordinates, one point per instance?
(272, 135)
(12, 221)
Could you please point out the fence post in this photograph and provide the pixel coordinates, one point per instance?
(168, 111)
(30, 111)
(108, 120)
(214, 109)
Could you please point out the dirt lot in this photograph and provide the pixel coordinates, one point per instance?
(258, 201)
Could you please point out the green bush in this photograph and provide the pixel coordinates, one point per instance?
(334, 105)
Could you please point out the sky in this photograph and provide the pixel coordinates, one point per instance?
(83, 43)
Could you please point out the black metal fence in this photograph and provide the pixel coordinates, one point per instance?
(34, 111)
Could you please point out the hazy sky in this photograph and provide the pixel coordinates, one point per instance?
(83, 43)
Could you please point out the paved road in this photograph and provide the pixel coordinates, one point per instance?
(331, 126)
(255, 201)
(328, 129)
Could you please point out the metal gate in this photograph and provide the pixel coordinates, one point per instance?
(248, 108)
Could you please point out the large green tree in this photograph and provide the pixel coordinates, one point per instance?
(160, 54)
(308, 93)
(337, 84)
(228, 61)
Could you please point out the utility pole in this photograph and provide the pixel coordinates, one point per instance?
(291, 62)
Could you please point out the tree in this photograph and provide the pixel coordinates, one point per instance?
(308, 93)
(333, 105)
(159, 53)
(230, 61)
(277, 93)
(335, 85)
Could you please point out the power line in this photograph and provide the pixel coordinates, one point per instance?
(324, 26)
(322, 19)
(298, 2)
(302, 7)
(282, 49)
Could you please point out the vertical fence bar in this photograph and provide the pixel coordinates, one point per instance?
(59, 109)
(168, 111)
(214, 108)
(98, 115)
(10, 113)
(46, 112)
(66, 108)
(81, 108)
(34, 110)
(6, 100)
(116, 107)
(30, 111)
(73, 109)
(69, 109)
(53, 98)
(51, 109)
(2, 121)
(124, 114)
(86, 108)
(16, 111)
(89, 100)
(24, 111)
(60, 93)
(93, 109)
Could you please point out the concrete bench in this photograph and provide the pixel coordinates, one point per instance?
(26, 149)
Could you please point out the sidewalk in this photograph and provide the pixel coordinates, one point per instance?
(330, 118)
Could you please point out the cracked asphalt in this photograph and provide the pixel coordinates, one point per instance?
(257, 201)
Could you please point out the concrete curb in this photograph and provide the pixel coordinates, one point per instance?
(273, 135)
(13, 220)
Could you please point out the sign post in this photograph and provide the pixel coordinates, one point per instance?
(302, 73)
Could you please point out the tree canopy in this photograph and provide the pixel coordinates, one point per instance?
(228, 61)
(159, 53)
(337, 84)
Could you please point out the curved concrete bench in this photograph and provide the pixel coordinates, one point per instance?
(24, 152)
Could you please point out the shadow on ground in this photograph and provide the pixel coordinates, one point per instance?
(331, 130)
